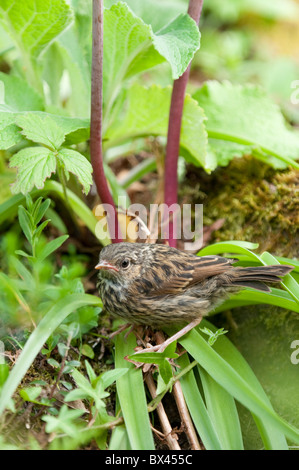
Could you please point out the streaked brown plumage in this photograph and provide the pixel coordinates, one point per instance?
(156, 285)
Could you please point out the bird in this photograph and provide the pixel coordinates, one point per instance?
(159, 286)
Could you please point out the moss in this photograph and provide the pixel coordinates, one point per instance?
(258, 204)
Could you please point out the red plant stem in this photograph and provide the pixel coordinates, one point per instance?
(96, 151)
(174, 131)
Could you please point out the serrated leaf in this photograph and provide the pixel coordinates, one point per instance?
(146, 112)
(247, 116)
(41, 129)
(77, 164)
(35, 23)
(35, 165)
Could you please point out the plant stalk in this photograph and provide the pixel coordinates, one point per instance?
(173, 136)
(96, 121)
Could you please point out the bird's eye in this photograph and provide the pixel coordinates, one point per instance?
(125, 263)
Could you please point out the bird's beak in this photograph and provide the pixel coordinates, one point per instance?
(106, 265)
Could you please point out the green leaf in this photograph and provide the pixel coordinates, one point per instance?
(42, 129)
(52, 246)
(165, 370)
(9, 132)
(223, 412)
(146, 112)
(65, 422)
(31, 393)
(35, 165)
(131, 47)
(35, 23)
(25, 223)
(227, 367)
(197, 407)
(247, 116)
(77, 164)
(87, 351)
(178, 42)
(4, 371)
(18, 95)
(107, 378)
(131, 395)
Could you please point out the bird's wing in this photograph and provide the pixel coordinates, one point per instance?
(191, 273)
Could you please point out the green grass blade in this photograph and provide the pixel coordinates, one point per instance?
(223, 413)
(231, 246)
(289, 283)
(197, 408)
(131, 395)
(276, 297)
(240, 385)
(45, 328)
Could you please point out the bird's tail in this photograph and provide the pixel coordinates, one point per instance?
(257, 277)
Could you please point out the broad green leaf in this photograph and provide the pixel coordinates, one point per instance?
(247, 116)
(34, 24)
(18, 95)
(131, 47)
(35, 165)
(25, 223)
(41, 129)
(157, 13)
(77, 164)
(146, 112)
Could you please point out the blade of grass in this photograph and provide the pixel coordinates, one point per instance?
(244, 389)
(276, 297)
(38, 337)
(131, 396)
(223, 413)
(289, 283)
(197, 408)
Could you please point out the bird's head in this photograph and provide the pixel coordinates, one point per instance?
(123, 262)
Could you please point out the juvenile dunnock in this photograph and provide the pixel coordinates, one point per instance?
(156, 285)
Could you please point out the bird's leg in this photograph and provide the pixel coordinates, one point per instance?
(161, 347)
(120, 329)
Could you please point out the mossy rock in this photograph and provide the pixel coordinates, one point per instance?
(261, 205)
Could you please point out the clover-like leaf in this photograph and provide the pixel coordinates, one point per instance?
(77, 164)
(35, 165)
(41, 129)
